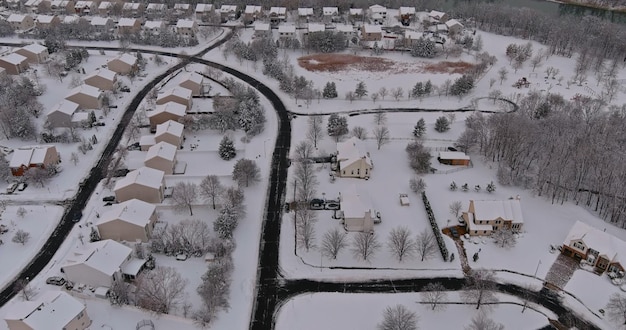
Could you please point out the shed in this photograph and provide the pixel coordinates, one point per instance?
(453, 158)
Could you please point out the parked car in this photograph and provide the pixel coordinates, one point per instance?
(181, 257)
(316, 204)
(77, 217)
(21, 186)
(461, 220)
(108, 199)
(454, 232)
(332, 206)
(11, 187)
(55, 280)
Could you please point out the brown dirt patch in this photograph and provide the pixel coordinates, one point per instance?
(343, 62)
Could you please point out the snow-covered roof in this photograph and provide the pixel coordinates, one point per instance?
(147, 140)
(29, 155)
(606, 244)
(131, 6)
(14, 58)
(261, 27)
(125, 21)
(153, 25)
(100, 21)
(103, 73)
(329, 11)
(356, 11)
(181, 6)
(193, 77)
(251, 9)
(144, 176)
(105, 5)
(176, 91)
(106, 256)
(133, 266)
(410, 34)
(474, 226)
(354, 204)
(228, 8)
(45, 19)
(133, 211)
(316, 27)
(280, 11)
(452, 22)
(16, 18)
(127, 58)
(350, 151)
(156, 6)
(64, 106)
(35, 48)
(378, 9)
(83, 4)
(369, 28)
(52, 310)
(33, 3)
(453, 155)
(79, 117)
(286, 29)
(204, 7)
(169, 107)
(185, 23)
(436, 14)
(305, 11)
(510, 209)
(69, 19)
(162, 150)
(407, 10)
(86, 90)
(344, 27)
(170, 127)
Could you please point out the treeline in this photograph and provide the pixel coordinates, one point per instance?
(564, 150)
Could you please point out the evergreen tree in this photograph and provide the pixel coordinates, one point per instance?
(424, 48)
(337, 126)
(442, 124)
(227, 149)
(418, 90)
(462, 85)
(226, 222)
(428, 88)
(361, 90)
(420, 128)
(330, 91)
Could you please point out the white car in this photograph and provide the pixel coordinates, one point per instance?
(181, 257)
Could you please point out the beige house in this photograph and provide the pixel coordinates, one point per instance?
(85, 7)
(60, 115)
(315, 27)
(170, 132)
(102, 24)
(104, 8)
(346, 29)
(156, 10)
(454, 26)
(133, 9)
(146, 141)
(161, 156)
(39, 156)
(277, 15)
(123, 64)
(186, 28)
(177, 94)
(194, 82)
(437, 17)
(352, 161)
(601, 250)
(153, 27)
(262, 30)
(228, 13)
(371, 32)
(103, 79)
(51, 310)
(129, 221)
(182, 9)
(62, 7)
(203, 9)
(44, 22)
(99, 263)
(329, 13)
(87, 97)
(14, 64)
(128, 25)
(484, 217)
(21, 22)
(35, 53)
(32, 6)
(304, 14)
(165, 112)
(144, 183)
(358, 214)
(251, 13)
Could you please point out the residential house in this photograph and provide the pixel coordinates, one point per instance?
(286, 31)
(85, 7)
(262, 30)
(32, 6)
(315, 27)
(164, 112)
(410, 37)
(123, 64)
(87, 97)
(329, 14)
(35, 53)
(182, 9)
(40, 156)
(601, 250)
(156, 10)
(378, 14)
(406, 15)
(186, 28)
(437, 17)
(352, 160)
(355, 14)
(251, 13)
(72, 19)
(51, 310)
(358, 214)
(133, 9)
(277, 15)
(177, 94)
(228, 13)
(146, 141)
(371, 32)
(161, 156)
(304, 14)
(45, 22)
(3, 73)
(100, 263)
(62, 7)
(194, 82)
(454, 26)
(153, 27)
(102, 24)
(14, 4)
(171, 132)
(203, 9)
(126, 26)
(144, 183)
(453, 158)
(104, 8)
(102, 78)
(484, 217)
(14, 63)
(438, 28)
(60, 115)
(129, 221)
(346, 29)
(21, 22)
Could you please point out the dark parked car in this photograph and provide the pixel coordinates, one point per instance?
(454, 232)
(332, 206)
(108, 199)
(120, 172)
(55, 280)
(316, 204)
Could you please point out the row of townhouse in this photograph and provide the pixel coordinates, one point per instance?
(123, 8)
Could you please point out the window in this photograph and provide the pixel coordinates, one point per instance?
(365, 171)
(352, 172)
(579, 246)
(358, 171)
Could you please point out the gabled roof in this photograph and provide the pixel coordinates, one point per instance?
(328, 11)
(35, 48)
(14, 58)
(126, 58)
(156, 6)
(606, 244)
(64, 106)
(176, 91)
(45, 19)
(131, 6)
(453, 155)
(100, 21)
(356, 11)
(185, 23)
(153, 25)
(25, 156)
(162, 150)
(193, 77)
(16, 18)
(510, 209)
(69, 19)
(369, 28)
(143, 176)
(378, 9)
(316, 27)
(407, 10)
(286, 29)
(436, 14)
(105, 5)
(305, 11)
(86, 90)
(278, 11)
(452, 22)
(344, 27)
(133, 211)
(252, 9)
(125, 21)
(169, 107)
(52, 310)
(170, 127)
(103, 73)
(228, 8)
(106, 256)
(203, 7)
(83, 4)
(261, 27)
(181, 6)
(354, 204)
(350, 151)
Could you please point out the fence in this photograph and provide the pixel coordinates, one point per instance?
(433, 224)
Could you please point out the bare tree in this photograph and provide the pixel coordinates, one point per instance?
(383, 92)
(215, 287)
(455, 208)
(21, 237)
(304, 150)
(502, 73)
(425, 244)
(400, 243)
(359, 132)
(434, 294)
(380, 118)
(374, 97)
(398, 317)
(305, 228)
(417, 184)
(184, 195)
(132, 130)
(316, 129)
(160, 289)
(381, 133)
(480, 287)
(21, 212)
(364, 245)
(505, 237)
(397, 93)
(211, 189)
(482, 322)
(119, 292)
(350, 96)
(39, 176)
(74, 158)
(616, 309)
(22, 286)
(333, 242)
(245, 172)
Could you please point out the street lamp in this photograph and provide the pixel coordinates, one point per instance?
(264, 152)
(537, 269)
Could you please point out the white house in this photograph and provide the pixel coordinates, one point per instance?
(304, 14)
(97, 264)
(346, 29)
(251, 13)
(286, 31)
(228, 12)
(328, 13)
(358, 214)
(144, 183)
(353, 161)
(153, 27)
(186, 28)
(454, 26)
(315, 27)
(51, 310)
(204, 9)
